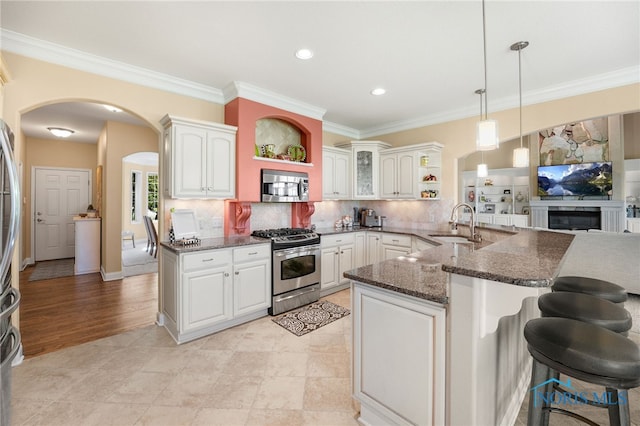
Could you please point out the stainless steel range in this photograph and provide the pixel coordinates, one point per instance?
(295, 268)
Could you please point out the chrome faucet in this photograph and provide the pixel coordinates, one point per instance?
(474, 236)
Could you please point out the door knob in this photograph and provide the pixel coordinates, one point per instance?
(39, 220)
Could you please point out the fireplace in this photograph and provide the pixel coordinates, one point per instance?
(574, 219)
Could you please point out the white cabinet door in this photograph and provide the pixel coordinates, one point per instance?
(484, 218)
(206, 297)
(251, 291)
(336, 180)
(190, 162)
(406, 175)
(386, 381)
(374, 247)
(251, 279)
(398, 175)
(347, 258)
(199, 158)
(330, 267)
(388, 176)
(520, 220)
(360, 250)
(502, 219)
(633, 225)
(220, 164)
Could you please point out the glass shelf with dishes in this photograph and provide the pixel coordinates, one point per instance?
(429, 159)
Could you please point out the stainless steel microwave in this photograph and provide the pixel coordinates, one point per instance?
(279, 186)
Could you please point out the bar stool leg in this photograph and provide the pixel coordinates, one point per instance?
(619, 407)
(538, 413)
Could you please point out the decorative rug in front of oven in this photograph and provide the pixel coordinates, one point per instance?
(311, 317)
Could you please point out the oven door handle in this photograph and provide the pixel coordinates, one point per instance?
(297, 251)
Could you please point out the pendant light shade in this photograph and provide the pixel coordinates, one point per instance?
(487, 135)
(520, 155)
(487, 130)
(483, 170)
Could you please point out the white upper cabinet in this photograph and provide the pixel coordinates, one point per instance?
(336, 173)
(398, 174)
(200, 159)
(365, 157)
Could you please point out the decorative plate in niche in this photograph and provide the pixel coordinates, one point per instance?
(297, 153)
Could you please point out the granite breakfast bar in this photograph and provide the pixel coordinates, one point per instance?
(437, 335)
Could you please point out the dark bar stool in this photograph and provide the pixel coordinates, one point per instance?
(595, 287)
(586, 308)
(586, 352)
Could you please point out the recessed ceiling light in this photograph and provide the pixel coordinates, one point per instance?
(304, 54)
(60, 132)
(378, 91)
(112, 108)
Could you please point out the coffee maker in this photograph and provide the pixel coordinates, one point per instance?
(368, 218)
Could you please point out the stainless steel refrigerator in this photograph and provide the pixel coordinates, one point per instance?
(9, 296)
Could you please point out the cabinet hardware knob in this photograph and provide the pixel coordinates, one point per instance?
(237, 273)
(226, 274)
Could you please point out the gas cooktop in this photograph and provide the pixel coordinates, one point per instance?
(288, 237)
(280, 232)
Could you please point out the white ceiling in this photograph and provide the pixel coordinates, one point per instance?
(427, 54)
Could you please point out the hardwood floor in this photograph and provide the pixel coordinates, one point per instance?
(68, 311)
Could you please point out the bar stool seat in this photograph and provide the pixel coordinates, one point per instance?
(586, 352)
(585, 308)
(595, 287)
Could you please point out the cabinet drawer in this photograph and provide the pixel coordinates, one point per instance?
(253, 252)
(205, 259)
(337, 240)
(396, 240)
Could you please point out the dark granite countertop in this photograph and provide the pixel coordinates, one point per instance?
(215, 243)
(523, 257)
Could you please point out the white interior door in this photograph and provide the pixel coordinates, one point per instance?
(60, 194)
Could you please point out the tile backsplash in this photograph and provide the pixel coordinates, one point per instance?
(410, 214)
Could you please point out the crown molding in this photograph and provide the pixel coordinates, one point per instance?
(239, 89)
(339, 129)
(76, 59)
(610, 80)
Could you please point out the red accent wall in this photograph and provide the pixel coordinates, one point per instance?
(244, 113)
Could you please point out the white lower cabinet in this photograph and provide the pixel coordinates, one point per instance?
(633, 225)
(206, 289)
(360, 249)
(251, 270)
(374, 247)
(394, 245)
(210, 290)
(398, 373)
(338, 256)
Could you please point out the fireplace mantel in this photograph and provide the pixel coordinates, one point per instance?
(612, 214)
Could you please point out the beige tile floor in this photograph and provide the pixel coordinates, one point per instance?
(254, 374)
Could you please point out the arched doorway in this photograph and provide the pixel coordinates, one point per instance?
(140, 197)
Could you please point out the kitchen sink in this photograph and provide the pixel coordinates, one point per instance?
(452, 239)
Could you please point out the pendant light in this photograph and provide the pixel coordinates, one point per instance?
(483, 170)
(520, 155)
(487, 130)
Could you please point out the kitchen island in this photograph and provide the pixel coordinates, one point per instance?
(437, 335)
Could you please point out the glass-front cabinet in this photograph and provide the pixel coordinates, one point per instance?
(366, 168)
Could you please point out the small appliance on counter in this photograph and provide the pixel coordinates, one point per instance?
(369, 219)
